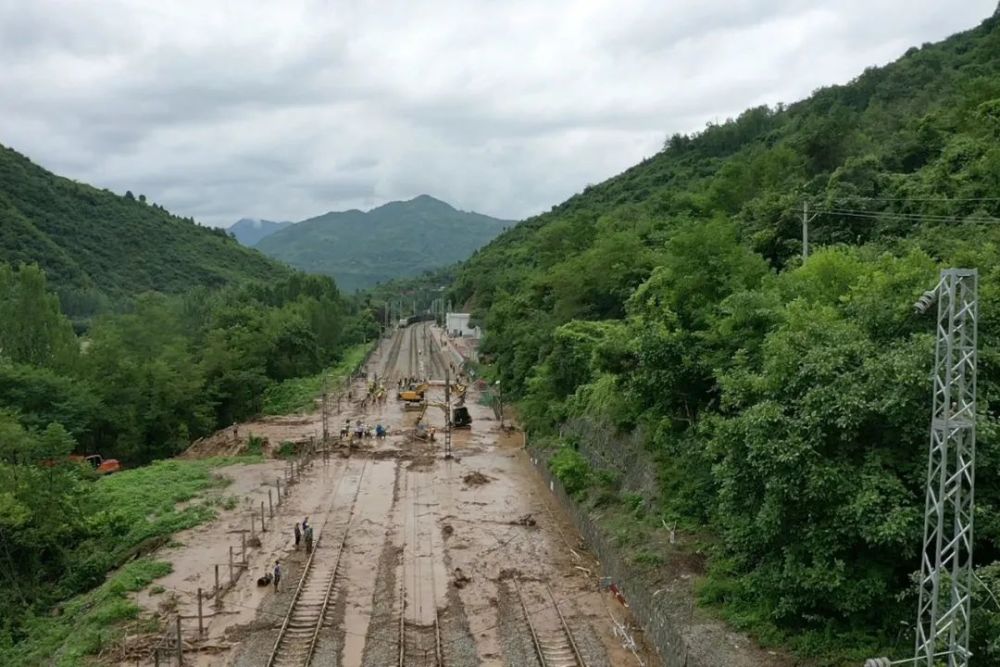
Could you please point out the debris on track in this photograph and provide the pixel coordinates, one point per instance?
(476, 478)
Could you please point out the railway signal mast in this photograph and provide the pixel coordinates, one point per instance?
(946, 556)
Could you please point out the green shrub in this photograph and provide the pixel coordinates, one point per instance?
(569, 466)
(287, 449)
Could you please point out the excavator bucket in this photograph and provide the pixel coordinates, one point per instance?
(460, 418)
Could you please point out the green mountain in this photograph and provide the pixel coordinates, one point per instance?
(249, 231)
(404, 238)
(777, 409)
(94, 244)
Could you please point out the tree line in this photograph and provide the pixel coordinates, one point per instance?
(140, 385)
(785, 404)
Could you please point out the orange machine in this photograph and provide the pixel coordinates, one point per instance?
(102, 465)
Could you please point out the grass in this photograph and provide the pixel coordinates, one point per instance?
(139, 510)
(88, 623)
(299, 394)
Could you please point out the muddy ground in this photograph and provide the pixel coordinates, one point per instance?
(439, 556)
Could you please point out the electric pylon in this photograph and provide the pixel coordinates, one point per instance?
(946, 557)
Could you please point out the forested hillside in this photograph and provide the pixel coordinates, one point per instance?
(399, 239)
(94, 245)
(785, 404)
(140, 387)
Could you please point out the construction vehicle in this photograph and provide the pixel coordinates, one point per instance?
(412, 394)
(460, 417)
(100, 464)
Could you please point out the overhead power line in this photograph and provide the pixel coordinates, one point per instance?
(914, 217)
(941, 199)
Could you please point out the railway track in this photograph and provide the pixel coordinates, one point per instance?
(411, 352)
(438, 367)
(554, 647)
(420, 633)
(307, 613)
(389, 370)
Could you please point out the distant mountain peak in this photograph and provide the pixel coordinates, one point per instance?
(421, 199)
(250, 231)
(397, 239)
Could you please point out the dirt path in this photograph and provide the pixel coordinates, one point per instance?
(433, 551)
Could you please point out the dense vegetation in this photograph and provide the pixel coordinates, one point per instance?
(786, 404)
(97, 247)
(70, 530)
(360, 249)
(139, 387)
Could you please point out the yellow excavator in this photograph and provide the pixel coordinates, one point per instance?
(413, 393)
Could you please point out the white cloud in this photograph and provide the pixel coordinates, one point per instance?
(287, 110)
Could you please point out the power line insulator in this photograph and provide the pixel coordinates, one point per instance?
(878, 662)
(925, 301)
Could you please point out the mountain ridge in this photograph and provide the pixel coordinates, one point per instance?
(665, 322)
(360, 249)
(97, 246)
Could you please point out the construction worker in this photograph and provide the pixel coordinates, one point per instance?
(309, 539)
(277, 575)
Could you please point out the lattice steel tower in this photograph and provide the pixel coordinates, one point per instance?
(946, 558)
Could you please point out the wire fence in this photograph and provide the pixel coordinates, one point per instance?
(185, 633)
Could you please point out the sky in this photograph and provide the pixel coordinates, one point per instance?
(223, 109)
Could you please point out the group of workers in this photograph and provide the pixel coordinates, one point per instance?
(361, 430)
(301, 531)
(305, 531)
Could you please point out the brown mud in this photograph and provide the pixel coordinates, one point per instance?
(429, 549)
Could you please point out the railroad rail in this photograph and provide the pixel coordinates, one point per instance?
(414, 359)
(553, 649)
(299, 634)
(389, 370)
(419, 643)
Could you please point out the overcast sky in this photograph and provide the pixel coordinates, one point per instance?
(285, 110)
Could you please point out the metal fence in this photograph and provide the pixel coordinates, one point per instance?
(605, 448)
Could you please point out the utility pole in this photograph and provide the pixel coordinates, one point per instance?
(500, 403)
(806, 219)
(447, 413)
(326, 420)
(946, 556)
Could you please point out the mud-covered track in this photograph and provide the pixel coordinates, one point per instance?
(389, 369)
(307, 613)
(555, 647)
(419, 645)
(419, 625)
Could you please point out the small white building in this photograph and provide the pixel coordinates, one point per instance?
(457, 325)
